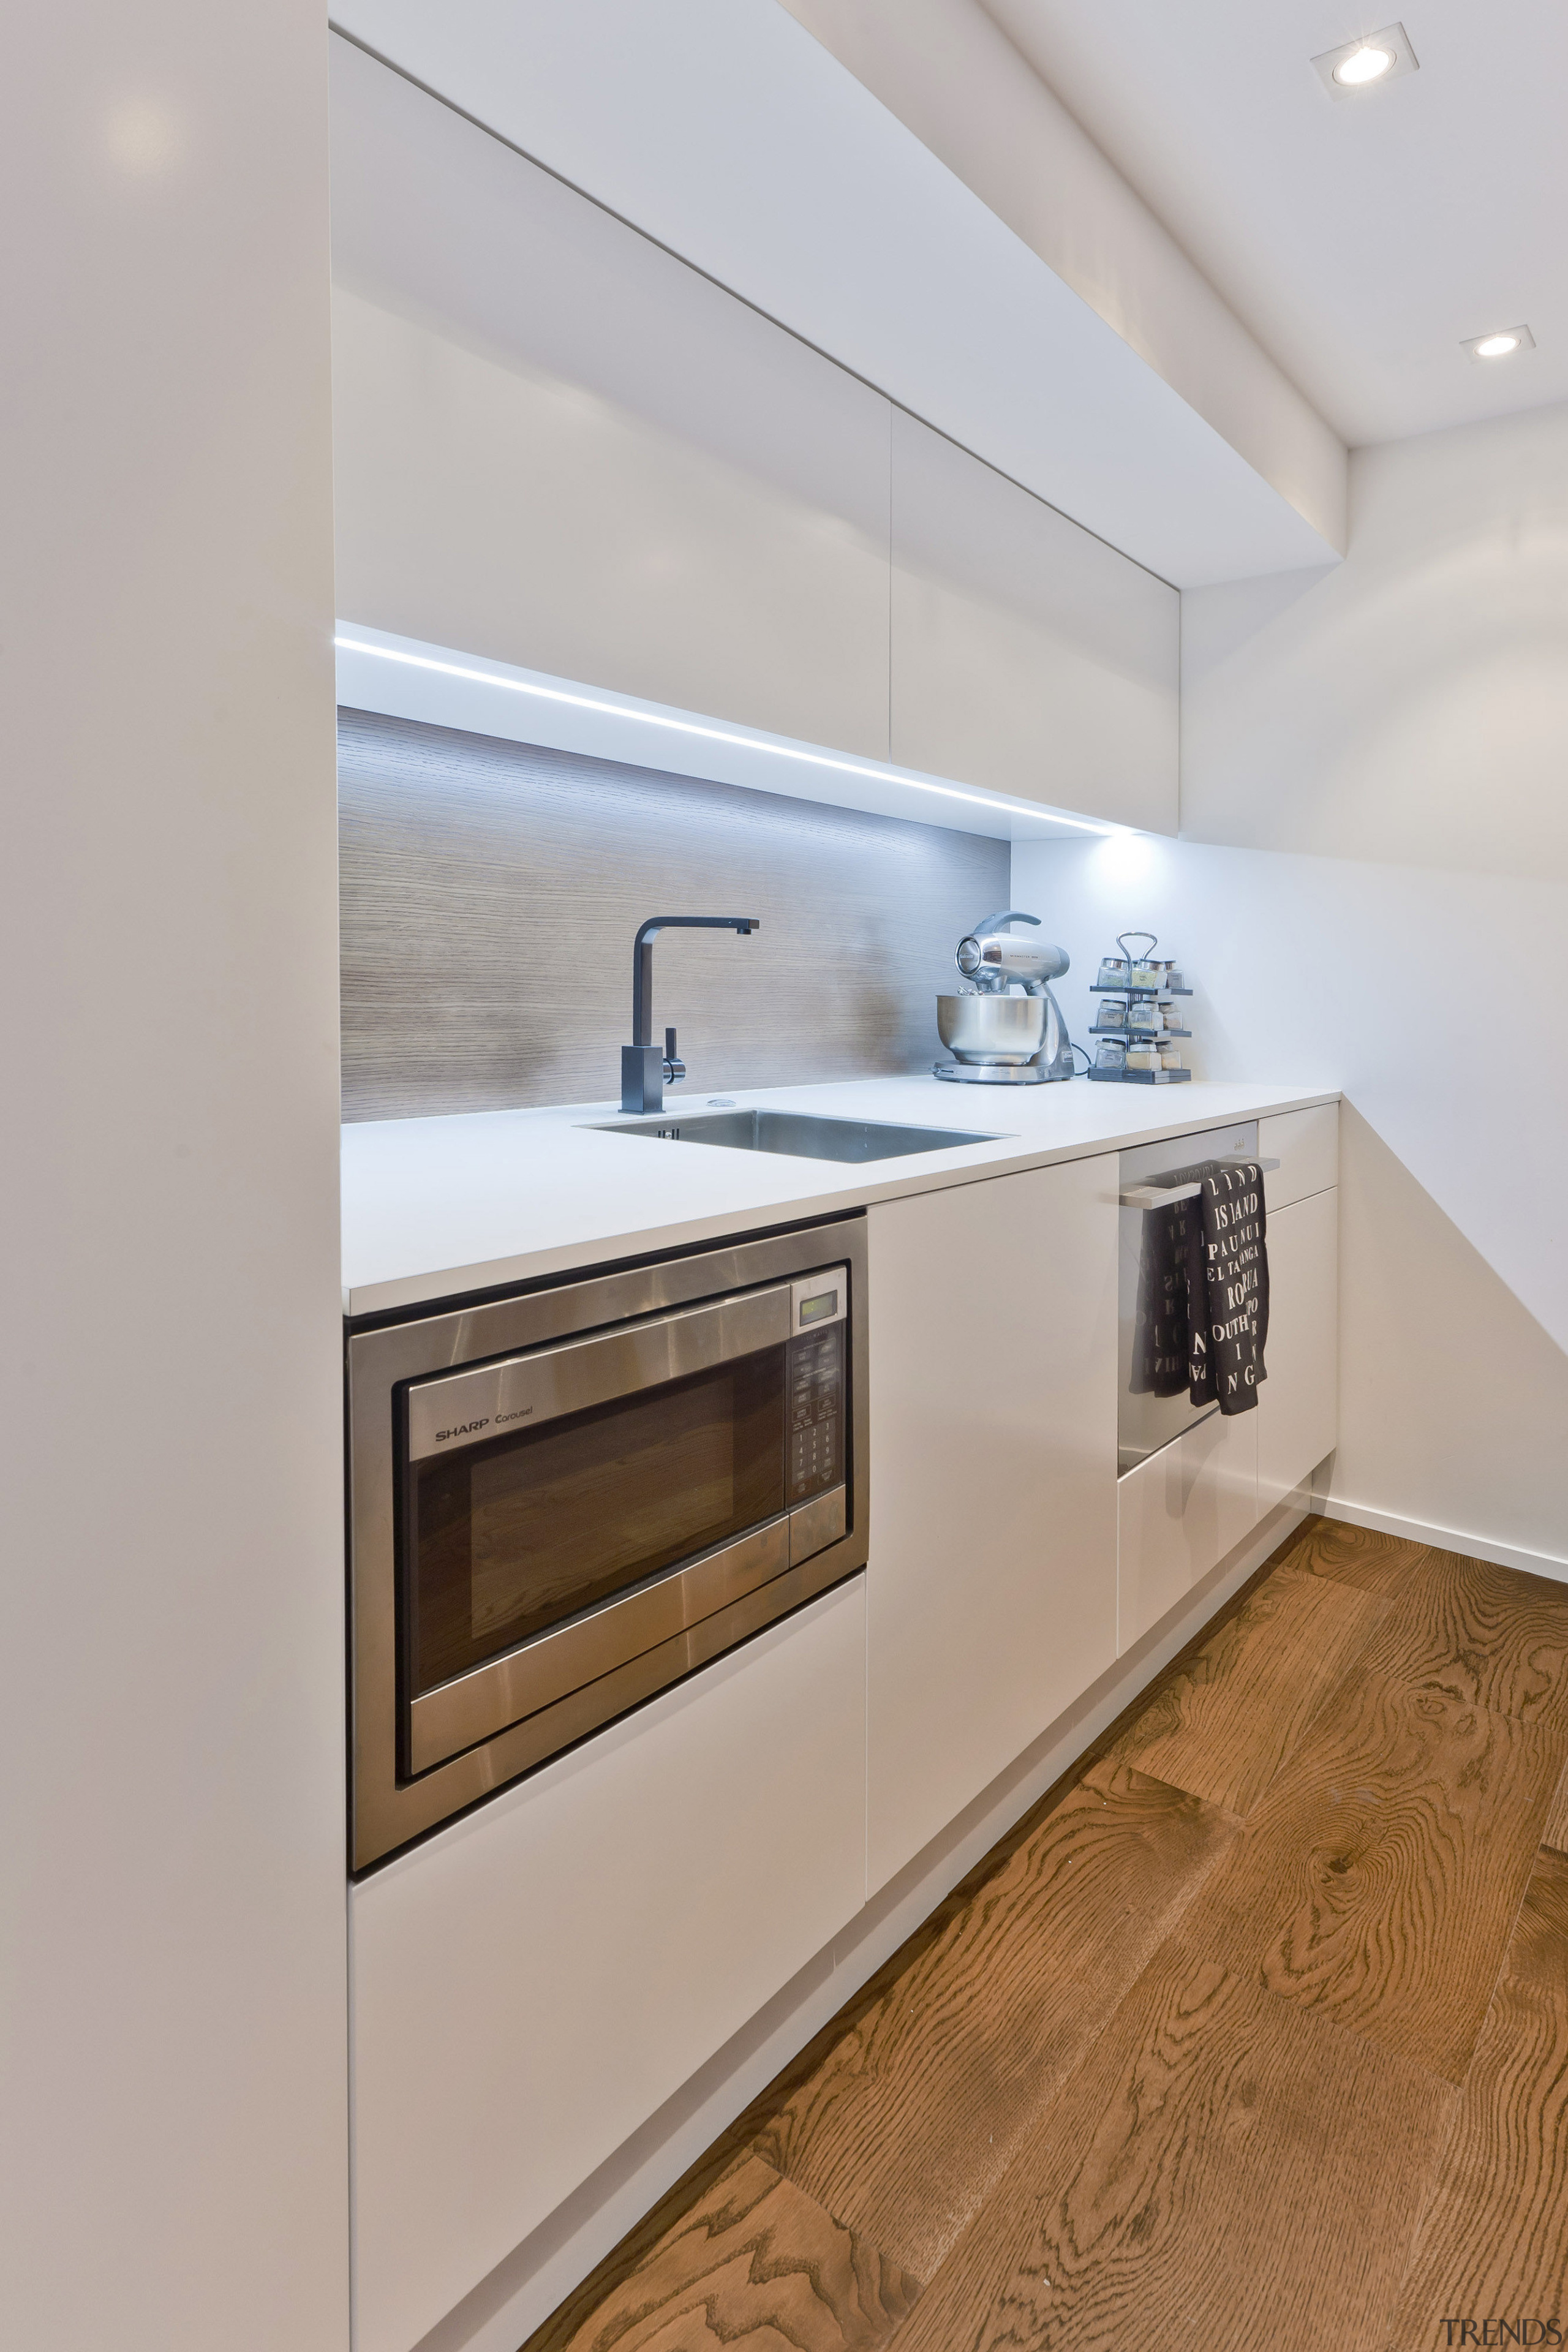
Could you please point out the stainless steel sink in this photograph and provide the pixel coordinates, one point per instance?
(795, 1133)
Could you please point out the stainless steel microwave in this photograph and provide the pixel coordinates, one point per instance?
(563, 1501)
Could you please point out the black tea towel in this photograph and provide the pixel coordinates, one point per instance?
(1227, 1287)
(1202, 1314)
(1161, 1346)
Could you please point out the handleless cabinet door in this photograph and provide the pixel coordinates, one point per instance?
(991, 1585)
(1028, 655)
(558, 446)
(532, 1982)
(1179, 1513)
(1298, 1405)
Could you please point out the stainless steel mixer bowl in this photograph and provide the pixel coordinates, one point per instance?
(992, 1028)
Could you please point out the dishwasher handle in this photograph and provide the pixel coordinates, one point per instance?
(1158, 1195)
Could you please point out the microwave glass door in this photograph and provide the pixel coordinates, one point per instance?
(517, 1533)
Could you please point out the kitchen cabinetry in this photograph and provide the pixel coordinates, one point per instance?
(1179, 1513)
(1184, 1508)
(535, 1981)
(1306, 1143)
(1298, 1405)
(1028, 655)
(558, 446)
(992, 1578)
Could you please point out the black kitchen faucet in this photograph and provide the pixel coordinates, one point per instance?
(645, 1071)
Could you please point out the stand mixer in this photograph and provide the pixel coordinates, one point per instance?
(995, 1038)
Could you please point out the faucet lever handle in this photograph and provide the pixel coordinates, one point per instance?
(674, 1067)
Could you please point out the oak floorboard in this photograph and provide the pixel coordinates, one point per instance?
(916, 2100)
(1378, 1880)
(1493, 2240)
(1492, 1637)
(1362, 1557)
(753, 2262)
(1225, 1721)
(1223, 2171)
(1555, 1833)
(1278, 2011)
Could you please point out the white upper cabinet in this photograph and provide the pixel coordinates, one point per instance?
(1028, 655)
(559, 447)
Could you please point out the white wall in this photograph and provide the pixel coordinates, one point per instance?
(1388, 742)
(1411, 705)
(172, 1839)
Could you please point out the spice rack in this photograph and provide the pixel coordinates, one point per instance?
(1142, 984)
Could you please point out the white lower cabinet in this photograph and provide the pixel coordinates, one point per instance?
(1298, 1405)
(991, 1585)
(1179, 1513)
(1306, 1143)
(532, 1983)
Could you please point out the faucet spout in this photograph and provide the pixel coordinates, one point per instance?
(645, 1071)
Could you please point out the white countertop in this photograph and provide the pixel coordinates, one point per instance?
(434, 1207)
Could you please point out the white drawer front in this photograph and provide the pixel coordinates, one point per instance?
(1177, 1516)
(1298, 1405)
(1306, 1143)
(530, 1985)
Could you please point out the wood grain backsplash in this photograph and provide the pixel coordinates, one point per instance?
(490, 892)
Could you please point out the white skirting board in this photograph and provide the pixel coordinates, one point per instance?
(1390, 1523)
(542, 2271)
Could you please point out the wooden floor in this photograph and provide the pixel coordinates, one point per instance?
(1254, 2033)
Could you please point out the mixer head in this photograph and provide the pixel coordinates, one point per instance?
(995, 960)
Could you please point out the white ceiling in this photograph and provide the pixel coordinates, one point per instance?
(1361, 241)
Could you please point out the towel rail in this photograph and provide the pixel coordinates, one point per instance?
(1159, 1195)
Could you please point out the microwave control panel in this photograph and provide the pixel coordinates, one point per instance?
(814, 1405)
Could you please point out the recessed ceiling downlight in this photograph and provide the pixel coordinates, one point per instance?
(1366, 63)
(1500, 344)
(1362, 66)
